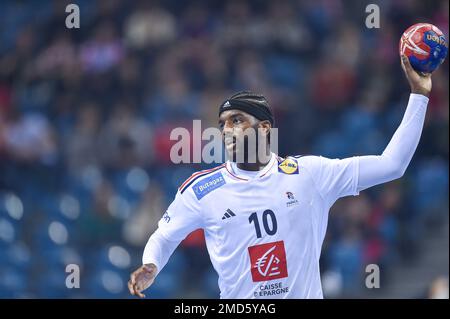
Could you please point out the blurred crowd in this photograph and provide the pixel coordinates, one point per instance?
(85, 118)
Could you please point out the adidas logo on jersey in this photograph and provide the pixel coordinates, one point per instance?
(228, 214)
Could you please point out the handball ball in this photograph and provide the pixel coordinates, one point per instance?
(425, 46)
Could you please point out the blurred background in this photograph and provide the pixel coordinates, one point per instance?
(85, 117)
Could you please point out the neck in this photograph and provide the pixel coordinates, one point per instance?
(259, 165)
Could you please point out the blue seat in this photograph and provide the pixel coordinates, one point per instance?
(107, 283)
(13, 282)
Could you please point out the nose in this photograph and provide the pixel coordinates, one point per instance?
(227, 128)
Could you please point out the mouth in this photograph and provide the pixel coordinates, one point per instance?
(230, 143)
(230, 146)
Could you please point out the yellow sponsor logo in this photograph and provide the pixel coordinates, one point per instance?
(288, 166)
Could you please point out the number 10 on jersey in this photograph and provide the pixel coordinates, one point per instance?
(269, 227)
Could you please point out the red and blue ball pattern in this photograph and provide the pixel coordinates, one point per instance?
(425, 46)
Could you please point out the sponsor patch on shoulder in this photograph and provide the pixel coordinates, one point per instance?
(288, 166)
(208, 184)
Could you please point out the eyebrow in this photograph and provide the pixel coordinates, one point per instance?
(232, 116)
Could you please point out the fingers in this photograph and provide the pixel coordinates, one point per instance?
(402, 58)
(140, 294)
(133, 285)
(134, 290)
(133, 278)
(406, 65)
(131, 288)
(138, 290)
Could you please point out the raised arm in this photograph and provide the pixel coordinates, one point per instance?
(336, 178)
(392, 164)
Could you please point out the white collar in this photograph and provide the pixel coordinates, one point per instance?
(249, 175)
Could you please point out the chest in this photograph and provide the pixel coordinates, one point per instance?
(260, 210)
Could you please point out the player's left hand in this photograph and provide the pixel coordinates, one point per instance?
(420, 83)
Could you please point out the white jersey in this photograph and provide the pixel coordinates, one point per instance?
(263, 231)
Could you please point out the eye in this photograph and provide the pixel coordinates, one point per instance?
(237, 120)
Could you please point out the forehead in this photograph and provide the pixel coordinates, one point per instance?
(227, 114)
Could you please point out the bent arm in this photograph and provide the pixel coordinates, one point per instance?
(158, 250)
(392, 164)
(181, 218)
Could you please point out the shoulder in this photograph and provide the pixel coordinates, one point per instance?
(307, 160)
(300, 161)
(202, 176)
(317, 164)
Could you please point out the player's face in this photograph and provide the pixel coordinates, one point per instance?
(233, 124)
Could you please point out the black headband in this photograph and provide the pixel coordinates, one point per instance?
(259, 111)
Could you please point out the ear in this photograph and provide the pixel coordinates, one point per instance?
(265, 126)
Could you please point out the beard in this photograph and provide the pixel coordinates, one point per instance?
(244, 148)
